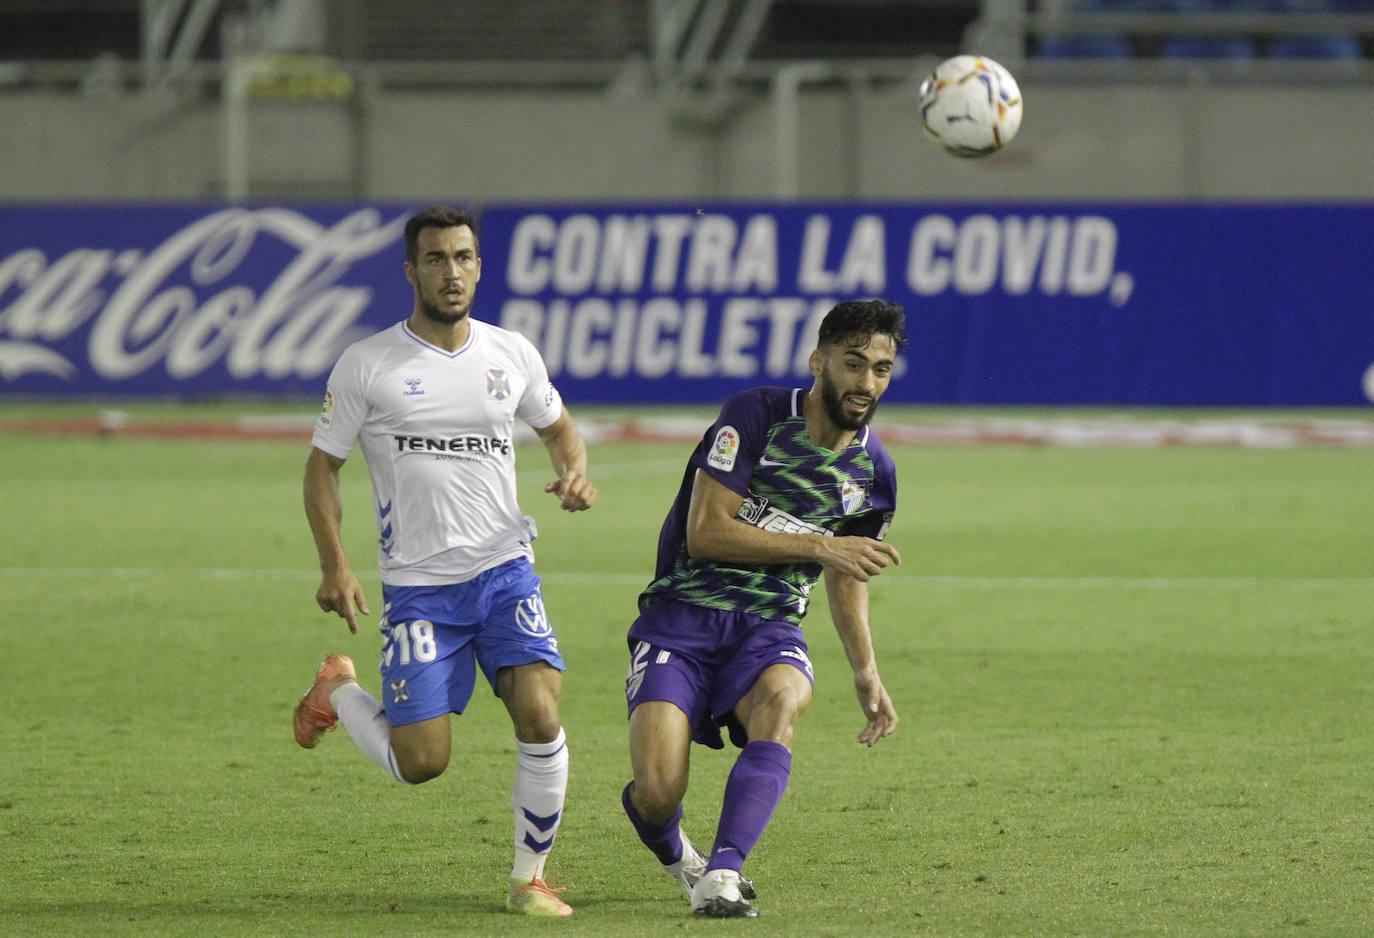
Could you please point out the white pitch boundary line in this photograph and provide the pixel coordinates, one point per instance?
(631, 469)
(1123, 430)
(642, 579)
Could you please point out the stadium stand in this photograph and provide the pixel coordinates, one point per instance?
(1085, 46)
(1209, 47)
(1227, 32)
(761, 31)
(1334, 47)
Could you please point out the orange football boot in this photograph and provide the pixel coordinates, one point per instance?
(315, 715)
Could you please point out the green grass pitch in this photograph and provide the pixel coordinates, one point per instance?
(1135, 690)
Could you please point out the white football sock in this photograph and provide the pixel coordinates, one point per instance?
(541, 783)
(365, 720)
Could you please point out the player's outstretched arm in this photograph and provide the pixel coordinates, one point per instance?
(568, 453)
(858, 557)
(715, 534)
(848, 598)
(339, 590)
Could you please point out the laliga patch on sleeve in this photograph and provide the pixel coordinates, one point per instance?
(327, 411)
(724, 449)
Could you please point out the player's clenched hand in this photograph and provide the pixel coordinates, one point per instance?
(859, 557)
(575, 491)
(341, 592)
(877, 707)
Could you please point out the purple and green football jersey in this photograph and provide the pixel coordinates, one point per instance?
(759, 448)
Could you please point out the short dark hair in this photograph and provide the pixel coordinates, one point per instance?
(436, 216)
(861, 320)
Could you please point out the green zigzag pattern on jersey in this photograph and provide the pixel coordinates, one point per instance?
(719, 586)
(831, 470)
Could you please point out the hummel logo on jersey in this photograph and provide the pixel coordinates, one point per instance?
(413, 387)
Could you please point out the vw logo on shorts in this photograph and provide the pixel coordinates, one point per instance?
(529, 615)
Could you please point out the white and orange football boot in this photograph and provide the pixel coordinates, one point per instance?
(534, 897)
(315, 715)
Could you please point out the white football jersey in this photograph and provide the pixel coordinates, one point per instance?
(437, 431)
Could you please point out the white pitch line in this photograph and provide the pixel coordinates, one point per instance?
(1129, 582)
(642, 579)
(634, 469)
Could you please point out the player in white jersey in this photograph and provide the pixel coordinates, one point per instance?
(432, 401)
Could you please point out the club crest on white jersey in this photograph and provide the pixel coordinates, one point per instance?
(498, 384)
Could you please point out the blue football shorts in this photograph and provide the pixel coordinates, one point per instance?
(434, 637)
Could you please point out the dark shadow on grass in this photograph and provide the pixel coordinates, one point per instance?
(301, 906)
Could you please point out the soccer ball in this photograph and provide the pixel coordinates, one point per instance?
(970, 105)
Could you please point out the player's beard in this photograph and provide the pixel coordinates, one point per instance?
(834, 407)
(432, 312)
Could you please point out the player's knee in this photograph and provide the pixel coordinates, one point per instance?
(786, 702)
(530, 693)
(657, 797)
(540, 727)
(774, 712)
(421, 767)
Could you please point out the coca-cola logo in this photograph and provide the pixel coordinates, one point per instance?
(187, 304)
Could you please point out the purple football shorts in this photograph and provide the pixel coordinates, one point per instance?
(434, 637)
(704, 660)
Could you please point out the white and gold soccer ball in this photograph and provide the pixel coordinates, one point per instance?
(970, 105)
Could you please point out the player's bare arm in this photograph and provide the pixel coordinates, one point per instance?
(848, 598)
(339, 592)
(715, 534)
(568, 453)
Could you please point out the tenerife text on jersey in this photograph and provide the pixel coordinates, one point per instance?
(457, 444)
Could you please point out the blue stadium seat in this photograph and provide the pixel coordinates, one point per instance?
(1257, 6)
(1144, 6)
(1340, 6)
(1331, 47)
(1235, 48)
(1084, 46)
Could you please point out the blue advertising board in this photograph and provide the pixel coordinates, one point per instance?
(1025, 304)
(191, 300)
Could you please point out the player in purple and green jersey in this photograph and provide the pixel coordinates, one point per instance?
(789, 484)
(786, 486)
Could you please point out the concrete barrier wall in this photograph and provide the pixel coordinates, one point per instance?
(1133, 141)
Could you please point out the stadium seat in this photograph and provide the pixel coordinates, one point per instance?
(1143, 6)
(1257, 6)
(1234, 48)
(1333, 47)
(1084, 46)
(1122, 6)
(1340, 6)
